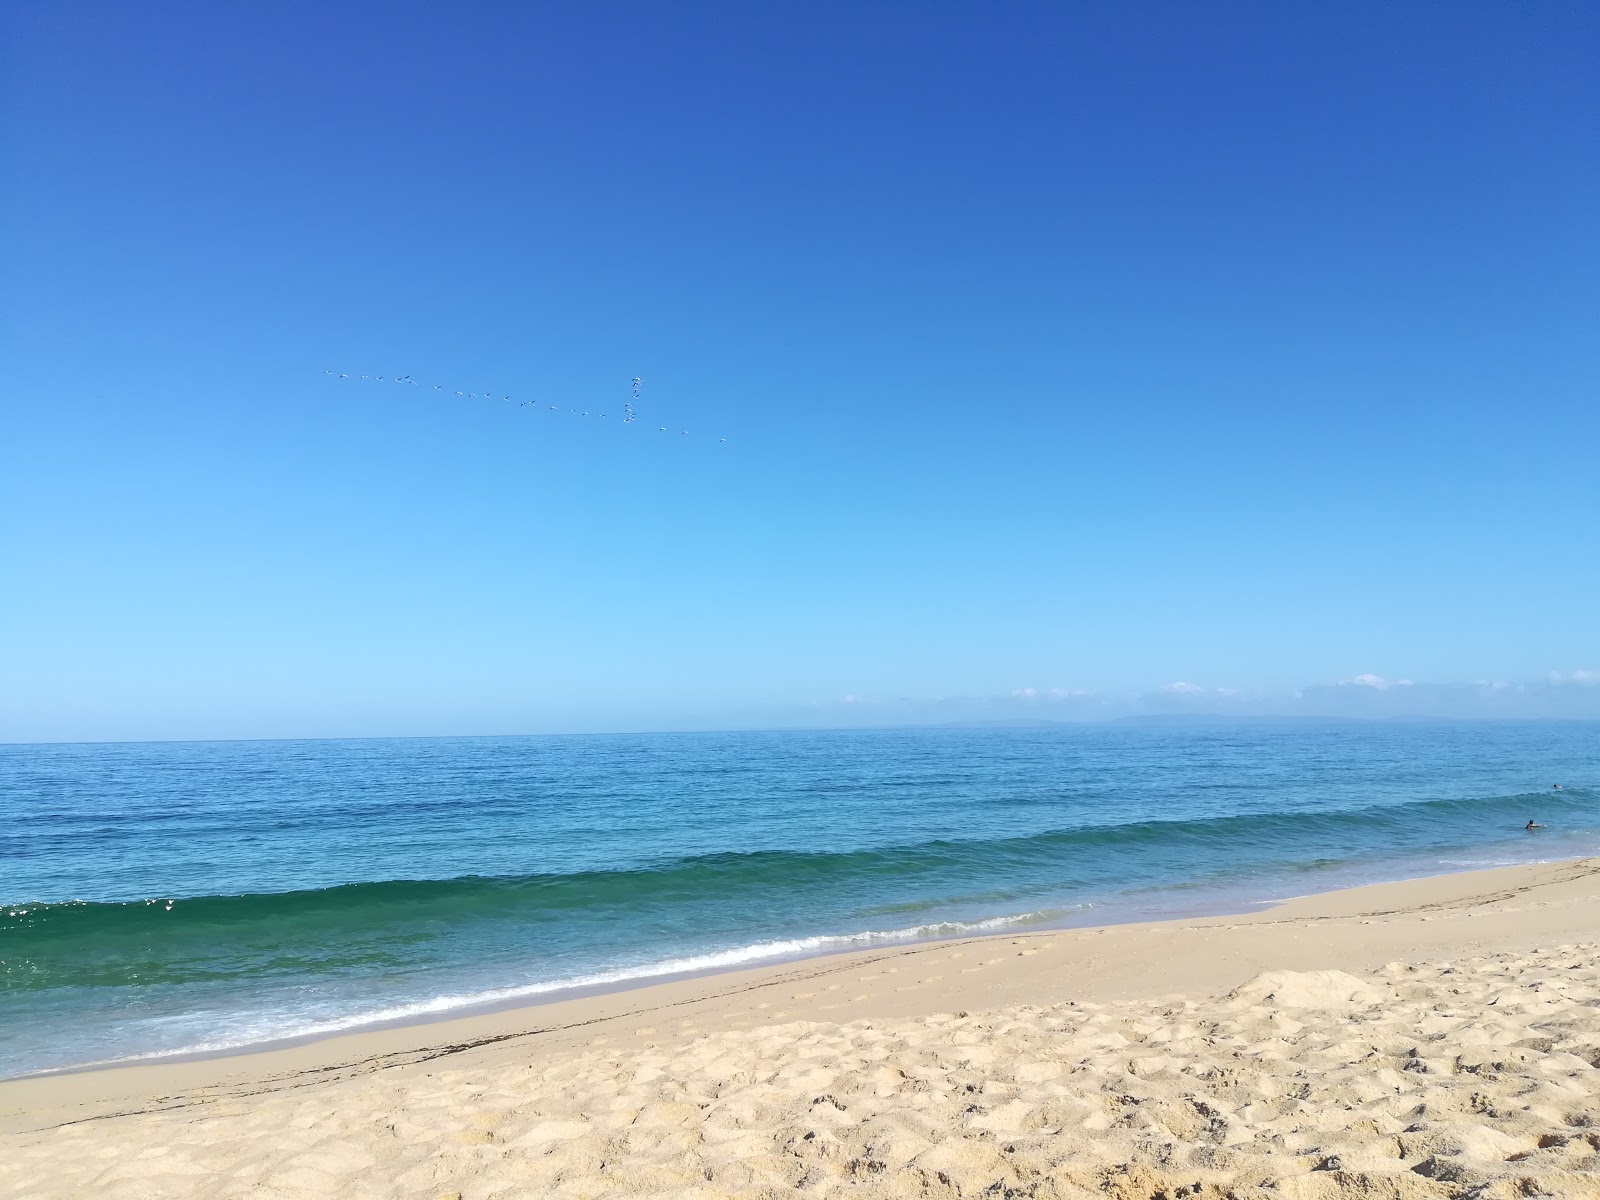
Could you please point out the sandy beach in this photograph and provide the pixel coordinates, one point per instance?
(1431, 1038)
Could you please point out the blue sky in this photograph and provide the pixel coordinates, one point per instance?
(1087, 349)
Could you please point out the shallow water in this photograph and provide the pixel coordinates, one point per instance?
(181, 897)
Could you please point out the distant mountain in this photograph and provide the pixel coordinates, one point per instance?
(1224, 719)
(1013, 723)
(1219, 720)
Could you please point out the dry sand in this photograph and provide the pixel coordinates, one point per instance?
(1426, 1039)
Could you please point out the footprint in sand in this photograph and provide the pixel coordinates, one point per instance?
(645, 1032)
(802, 995)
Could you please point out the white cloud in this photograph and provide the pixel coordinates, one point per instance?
(1376, 681)
(1574, 678)
(1570, 694)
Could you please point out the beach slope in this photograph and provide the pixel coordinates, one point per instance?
(1436, 1038)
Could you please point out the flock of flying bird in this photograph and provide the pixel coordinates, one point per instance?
(629, 411)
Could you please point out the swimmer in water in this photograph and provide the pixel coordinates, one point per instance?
(1556, 786)
(1530, 825)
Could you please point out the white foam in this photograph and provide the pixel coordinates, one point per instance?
(285, 1028)
(1479, 863)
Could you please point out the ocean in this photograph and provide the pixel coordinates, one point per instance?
(184, 898)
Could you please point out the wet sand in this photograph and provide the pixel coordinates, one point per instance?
(1435, 1037)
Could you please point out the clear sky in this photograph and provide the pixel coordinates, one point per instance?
(1119, 352)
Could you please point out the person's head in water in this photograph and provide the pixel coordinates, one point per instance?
(1531, 825)
(1557, 786)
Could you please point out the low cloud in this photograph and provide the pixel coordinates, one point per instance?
(1560, 695)
(1568, 693)
(1574, 679)
(1376, 681)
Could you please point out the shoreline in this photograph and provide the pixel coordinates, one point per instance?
(1357, 929)
(1220, 901)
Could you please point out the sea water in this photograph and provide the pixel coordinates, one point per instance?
(160, 898)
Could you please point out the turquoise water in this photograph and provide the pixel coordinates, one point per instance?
(170, 897)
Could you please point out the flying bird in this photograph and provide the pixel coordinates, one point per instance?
(630, 414)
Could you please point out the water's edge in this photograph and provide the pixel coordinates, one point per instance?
(1225, 903)
(167, 902)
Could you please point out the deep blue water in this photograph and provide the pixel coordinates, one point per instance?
(168, 897)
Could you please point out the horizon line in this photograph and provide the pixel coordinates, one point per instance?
(1130, 720)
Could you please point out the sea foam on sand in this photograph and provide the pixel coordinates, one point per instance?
(1472, 1078)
